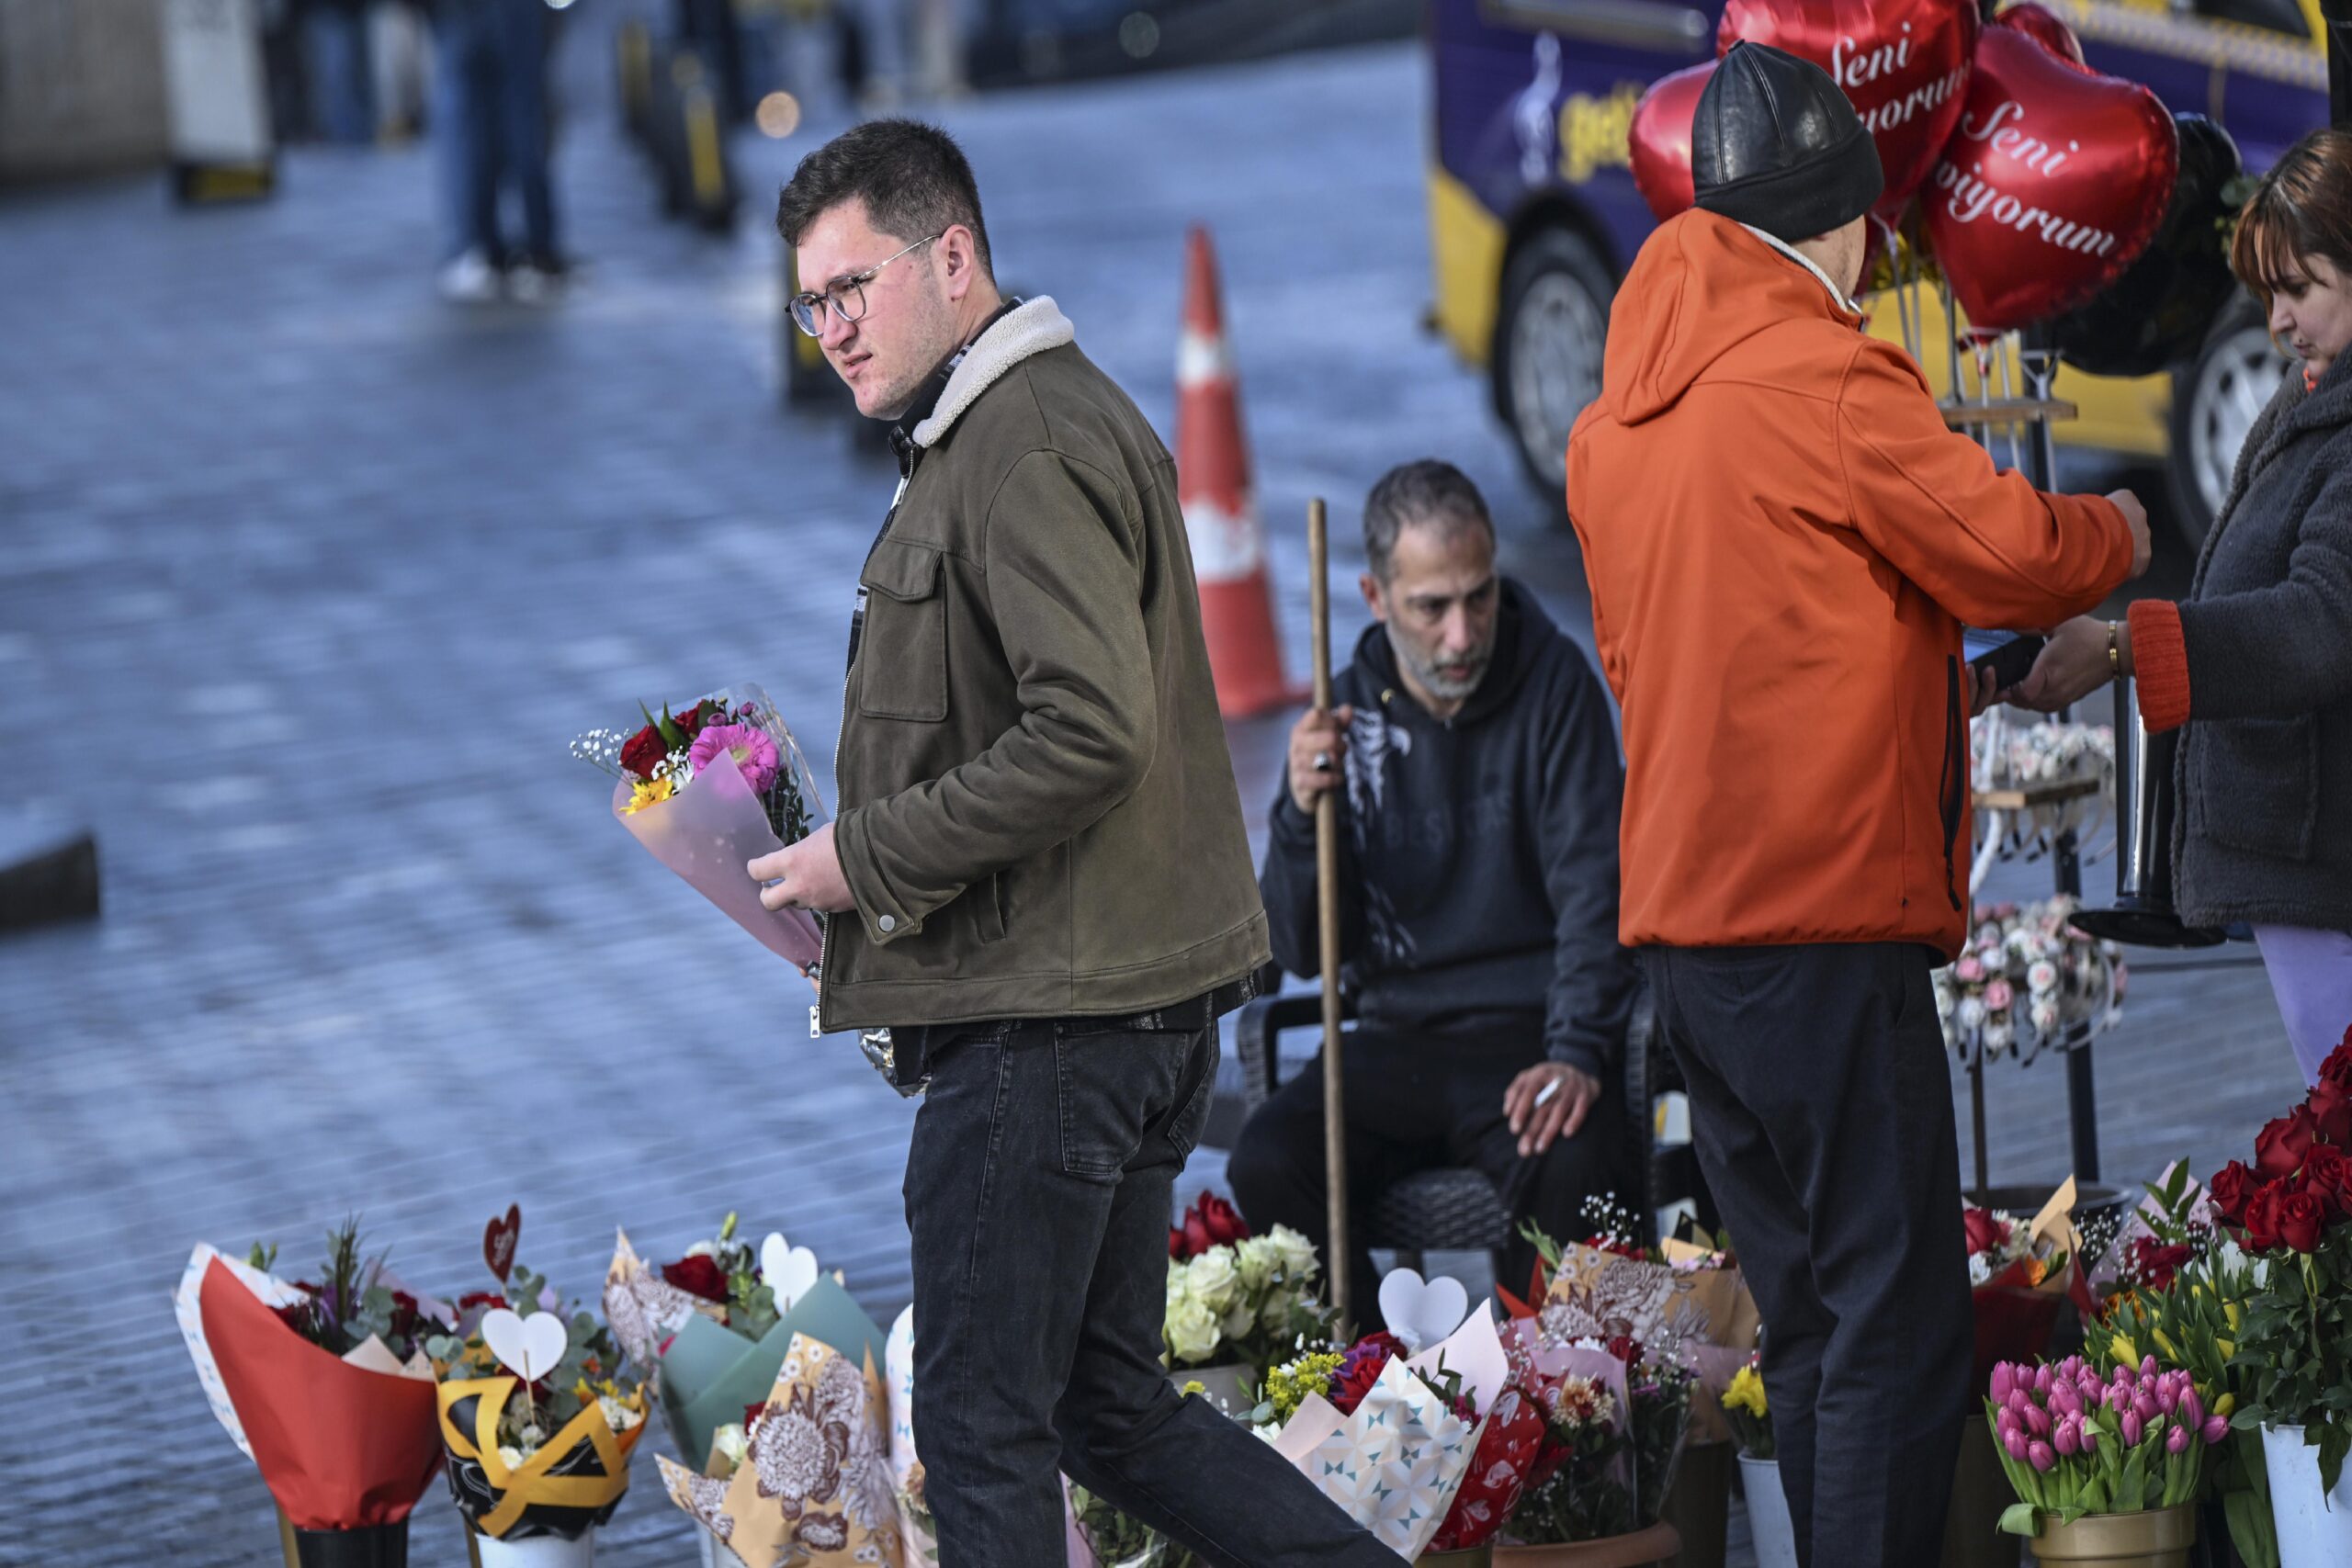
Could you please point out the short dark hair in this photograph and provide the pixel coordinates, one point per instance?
(1423, 491)
(914, 180)
(2302, 208)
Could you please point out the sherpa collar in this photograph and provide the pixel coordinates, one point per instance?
(1030, 328)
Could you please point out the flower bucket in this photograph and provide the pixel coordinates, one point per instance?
(1699, 1503)
(1640, 1549)
(1226, 1387)
(2159, 1537)
(373, 1545)
(532, 1552)
(1981, 1493)
(2314, 1529)
(1769, 1525)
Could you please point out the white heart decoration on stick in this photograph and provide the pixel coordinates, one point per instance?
(789, 1271)
(530, 1347)
(1423, 1312)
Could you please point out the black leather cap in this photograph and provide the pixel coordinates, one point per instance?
(1777, 145)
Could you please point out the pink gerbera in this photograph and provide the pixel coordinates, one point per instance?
(754, 752)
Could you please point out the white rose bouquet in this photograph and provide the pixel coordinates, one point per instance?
(1235, 1297)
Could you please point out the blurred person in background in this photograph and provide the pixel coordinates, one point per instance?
(335, 54)
(2256, 662)
(492, 122)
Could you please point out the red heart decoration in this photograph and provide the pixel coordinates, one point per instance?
(2053, 184)
(1904, 64)
(498, 1242)
(2047, 29)
(1660, 142)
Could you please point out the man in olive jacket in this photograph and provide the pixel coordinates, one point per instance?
(1039, 880)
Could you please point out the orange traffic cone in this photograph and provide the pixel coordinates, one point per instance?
(1220, 511)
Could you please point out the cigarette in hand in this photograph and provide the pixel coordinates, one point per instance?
(1549, 1090)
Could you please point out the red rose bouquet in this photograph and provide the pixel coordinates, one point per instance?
(711, 789)
(2290, 1211)
(324, 1387)
(2020, 1273)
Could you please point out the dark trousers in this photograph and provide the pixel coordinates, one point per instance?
(1821, 1108)
(495, 116)
(1414, 1103)
(1039, 1189)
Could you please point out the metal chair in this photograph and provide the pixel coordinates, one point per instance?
(1456, 1208)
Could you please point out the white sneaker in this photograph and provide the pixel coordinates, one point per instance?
(527, 283)
(470, 280)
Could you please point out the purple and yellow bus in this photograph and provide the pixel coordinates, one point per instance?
(1533, 216)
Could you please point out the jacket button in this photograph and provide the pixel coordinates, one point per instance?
(888, 924)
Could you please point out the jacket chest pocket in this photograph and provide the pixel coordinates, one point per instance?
(902, 653)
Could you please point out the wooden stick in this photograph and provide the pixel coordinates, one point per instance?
(1326, 915)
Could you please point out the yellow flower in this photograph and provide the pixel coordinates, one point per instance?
(2165, 1345)
(648, 791)
(2226, 1405)
(2230, 1311)
(2226, 1346)
(2126, 1353)
(1195, 1386)
(1747, 1392)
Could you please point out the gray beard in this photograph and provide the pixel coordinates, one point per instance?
(1444, 688)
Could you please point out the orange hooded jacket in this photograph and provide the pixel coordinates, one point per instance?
(1782, 540)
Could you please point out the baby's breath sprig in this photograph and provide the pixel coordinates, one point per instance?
(600, 749)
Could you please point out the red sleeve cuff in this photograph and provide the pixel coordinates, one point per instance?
(2160, 663)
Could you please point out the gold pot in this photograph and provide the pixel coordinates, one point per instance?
(1640, 1549)
(2158, 1538)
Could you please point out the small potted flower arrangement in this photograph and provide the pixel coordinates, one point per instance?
(1236, 1302)
(537, 1418)
(2106, 1470)
(1768, 1522)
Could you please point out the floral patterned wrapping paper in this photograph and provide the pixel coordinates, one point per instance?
(1395, 1465)
(915, 1526)
(816, 1486)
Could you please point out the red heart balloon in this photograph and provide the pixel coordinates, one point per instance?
(1903, 63)
(1659, 140)
(2054, 183)
(2046, 28)
(498, 1239)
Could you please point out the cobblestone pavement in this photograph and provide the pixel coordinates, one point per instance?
(305, 581)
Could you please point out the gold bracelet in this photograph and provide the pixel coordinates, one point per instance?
(2114, 652)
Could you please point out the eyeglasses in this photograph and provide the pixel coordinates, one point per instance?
(845, 298)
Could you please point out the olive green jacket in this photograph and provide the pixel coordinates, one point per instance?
(1038, 816)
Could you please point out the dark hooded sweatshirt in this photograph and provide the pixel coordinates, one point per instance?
(1478, 856)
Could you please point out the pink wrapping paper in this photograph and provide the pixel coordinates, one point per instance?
(706, 834)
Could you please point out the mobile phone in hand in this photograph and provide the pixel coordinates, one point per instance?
(2010, 662)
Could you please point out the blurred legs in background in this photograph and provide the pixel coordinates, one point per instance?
(492, 115)
(334, 56)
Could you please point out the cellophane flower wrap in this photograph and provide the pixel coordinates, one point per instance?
(548, 1460)
(710, 789)
(2021, 1274)
(2074, 1443)
(322, 1386)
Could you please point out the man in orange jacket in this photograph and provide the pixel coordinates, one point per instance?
(1783, 540)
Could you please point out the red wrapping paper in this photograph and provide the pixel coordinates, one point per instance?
(2015, 1320)
(339, 1446)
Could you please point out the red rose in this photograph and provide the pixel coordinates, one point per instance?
(1626, 1349)
(1210, 1222)
(2262, 1216)
(644, 751)
(2153, 1264)
(2331, 1108)
(2232, 1187)
(2337, 1069)
(1361, 1369)
(698, 1276)
(1985, 1231)
(2327, 1175)
(2301, 1217)
(1176, 1245)
(480, 1299)
(690, 722)
(2280, 1147)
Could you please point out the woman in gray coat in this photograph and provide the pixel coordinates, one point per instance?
(2258, 661)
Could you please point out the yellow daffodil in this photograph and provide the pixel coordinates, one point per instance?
(1747, 1392)
(648, 791)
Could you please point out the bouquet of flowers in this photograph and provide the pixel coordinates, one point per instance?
(1239, 1298)
(2290, 1211)
(807, 1478)
(715, 1325)
(1618, 1416)
(2020, 1273)
(1749, 1412)
(2028, 982)
(711, 789)
(2072, 1443)
(538, 1419)
(324, 1387)
(1114, 1540)
(1389, 1430)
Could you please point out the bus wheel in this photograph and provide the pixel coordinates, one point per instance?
(1548, 342)
(2215, 401)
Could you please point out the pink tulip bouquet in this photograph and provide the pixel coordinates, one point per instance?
(2074, 1443)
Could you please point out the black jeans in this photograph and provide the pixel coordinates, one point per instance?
(1415, 1102)
(1039, 1189)
(1821, 1108)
